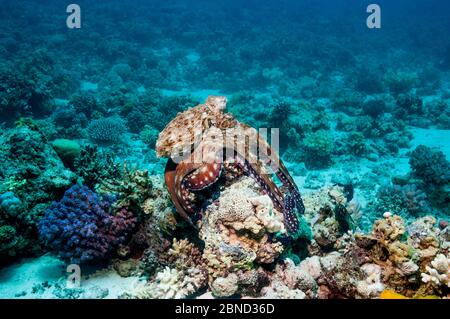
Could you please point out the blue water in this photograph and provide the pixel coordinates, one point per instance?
(353, 105)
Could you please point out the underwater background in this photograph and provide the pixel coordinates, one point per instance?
(364, 120)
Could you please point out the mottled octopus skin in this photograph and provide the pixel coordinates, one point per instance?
(169, 178)
(203, 177)
(196, 130)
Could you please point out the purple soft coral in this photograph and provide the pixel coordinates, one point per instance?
(81, 227)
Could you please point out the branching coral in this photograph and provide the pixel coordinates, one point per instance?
(433, 169)
(68, 121)
(184, 255)
(171, 284)
(330, 218)
(149, 135)
(374, 107)
(85, 104)
(339, 276)
(356, 144)
(292, 282)
(132, 189)
(142, 194)
(389, 229)
(81, 227)
(12, 243)
(225, 286)
(409, 104)
(94, 166)
(408, 200)
(107, 130)
(439, 272)
(430, 165)
(424, 237)
(400, 82)
(318, 149)
(371, 286)
(403, 252)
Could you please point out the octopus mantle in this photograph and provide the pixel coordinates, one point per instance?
(204, 143)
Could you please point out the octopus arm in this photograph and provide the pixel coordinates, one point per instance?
(203, 177)
(292, 203)
(254, 169)
(276, 163)
(170, 177)
(182, 190)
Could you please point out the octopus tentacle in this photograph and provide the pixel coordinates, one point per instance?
(189, 176)
(293, 195)
(170, 179)
(290, 218)
(264, 182)
(182, 190)
(293, 199)
(292, 203)
(286, 206)
(281, 170)
(254, 170)
(204, 176)
(284, 176)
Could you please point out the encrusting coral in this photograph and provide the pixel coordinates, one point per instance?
(236, 230)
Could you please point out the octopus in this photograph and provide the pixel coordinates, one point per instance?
(203, 143)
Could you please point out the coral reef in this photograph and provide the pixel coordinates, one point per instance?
(236, 230)
(101, 108)
(31, 176)
(108, 130)
(170, 284)
(404, 200)
(438, 273)
(430, 166)
(82, 228)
